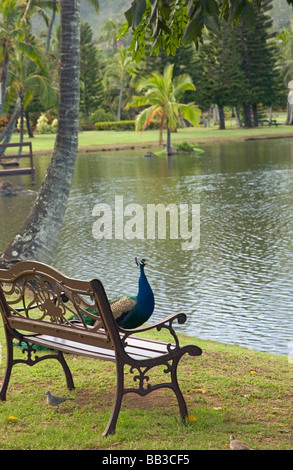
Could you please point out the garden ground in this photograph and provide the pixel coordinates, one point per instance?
(228, 389)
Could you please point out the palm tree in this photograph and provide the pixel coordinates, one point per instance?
(109, 33)
(37, 238)
(10, 33)
(285, 45)
(162, 93)
(118, 72)
(29, 78)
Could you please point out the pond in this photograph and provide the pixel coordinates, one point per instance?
(236, 287)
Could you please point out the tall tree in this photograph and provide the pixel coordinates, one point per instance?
(118, 72)
(29, 77)
(258, 62)
(285, 63)
(11, 32)
(37, 238)
(218, 74)
(89, 71)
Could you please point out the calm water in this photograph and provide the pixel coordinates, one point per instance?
(237, 287)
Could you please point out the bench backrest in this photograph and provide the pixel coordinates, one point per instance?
(38, 299)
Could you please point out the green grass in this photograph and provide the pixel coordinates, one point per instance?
(228, 389)
(104, 140)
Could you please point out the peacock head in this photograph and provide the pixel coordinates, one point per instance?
(141, 262)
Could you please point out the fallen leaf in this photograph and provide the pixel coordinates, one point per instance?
(191, 417)
(217, 408)
(201, 390)
(11, 418)
(253, 372)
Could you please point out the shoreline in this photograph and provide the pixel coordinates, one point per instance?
(241, 135)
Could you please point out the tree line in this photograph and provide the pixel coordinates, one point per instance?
(245, 68)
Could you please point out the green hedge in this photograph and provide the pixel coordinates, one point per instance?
(115, 126)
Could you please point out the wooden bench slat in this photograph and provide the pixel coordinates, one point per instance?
(80, 335)
(17, 171)
(73, 347)
(14, 155)
(8, 169)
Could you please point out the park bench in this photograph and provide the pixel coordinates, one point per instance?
(12, 167)
(41, 306)
(271, 122)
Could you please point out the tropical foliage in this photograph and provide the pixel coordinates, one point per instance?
(161, 96)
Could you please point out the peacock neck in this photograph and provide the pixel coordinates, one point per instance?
(144, 289)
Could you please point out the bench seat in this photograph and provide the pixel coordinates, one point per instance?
(138, 348)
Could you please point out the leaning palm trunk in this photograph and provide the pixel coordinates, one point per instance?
(38, 237)
(54, 7)
(6, 135)
(3, 80)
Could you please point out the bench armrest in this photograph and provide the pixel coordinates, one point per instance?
(166, 323)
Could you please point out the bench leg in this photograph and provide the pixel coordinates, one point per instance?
(9, 365)
(111, 426)
(67, 372)
(175, 387)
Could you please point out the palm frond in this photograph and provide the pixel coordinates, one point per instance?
(137, 102)
(143, 118)
(191, 113)
(181, 84)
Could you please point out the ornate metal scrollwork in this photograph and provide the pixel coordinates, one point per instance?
(28, 348)
(144, 385)
(181, 318)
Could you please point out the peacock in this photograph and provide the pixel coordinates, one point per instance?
(129, 311)
(132, 311)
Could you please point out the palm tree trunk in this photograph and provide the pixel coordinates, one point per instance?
(54, 7)
(3, 79)
(21, 131)
(8, 131)
(28, 124)
(37, 238)
(120, 101)
(168, 141)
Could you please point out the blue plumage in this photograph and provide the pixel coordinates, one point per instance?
(136, 310)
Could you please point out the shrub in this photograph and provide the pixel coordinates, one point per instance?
(100, 115)
(44, 127)
(115, 126)
(3, 123)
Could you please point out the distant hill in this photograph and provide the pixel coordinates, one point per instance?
(281, 14)
(109, 9)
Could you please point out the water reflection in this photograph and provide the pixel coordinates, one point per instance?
(237, 287)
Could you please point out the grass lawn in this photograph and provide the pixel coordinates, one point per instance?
(114, 140)
(228, 389)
